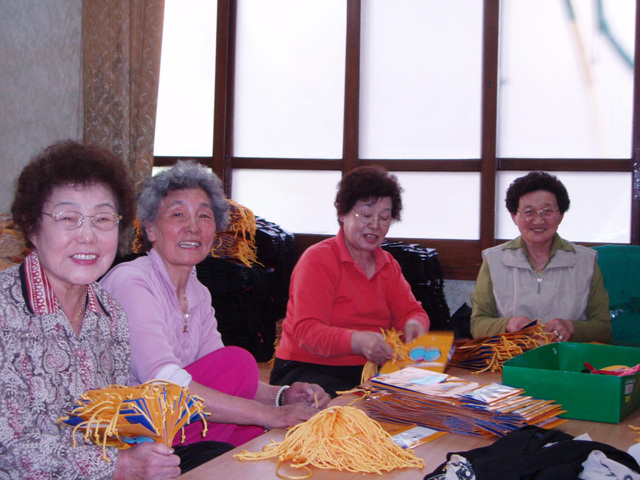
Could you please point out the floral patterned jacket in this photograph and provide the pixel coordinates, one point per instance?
(45, 367)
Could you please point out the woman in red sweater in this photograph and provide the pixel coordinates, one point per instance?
(346, 289)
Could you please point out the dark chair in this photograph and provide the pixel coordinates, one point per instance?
(620, 265)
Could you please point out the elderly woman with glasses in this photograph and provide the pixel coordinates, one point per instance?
(173, 328)
(346, 290)
(540, 276)
(62, 334)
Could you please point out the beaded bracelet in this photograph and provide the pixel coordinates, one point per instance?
(280, 394)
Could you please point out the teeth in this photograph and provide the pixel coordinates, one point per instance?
(189, 244)
(87, 256)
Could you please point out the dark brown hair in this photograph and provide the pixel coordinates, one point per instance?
(70, 163)
(368, 183)
(534, 182)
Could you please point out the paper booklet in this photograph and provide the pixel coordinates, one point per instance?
(431, 351)
(450, 404)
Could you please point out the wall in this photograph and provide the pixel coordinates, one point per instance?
(40, 81)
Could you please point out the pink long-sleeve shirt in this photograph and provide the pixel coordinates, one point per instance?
(159, 346)
(331, 297)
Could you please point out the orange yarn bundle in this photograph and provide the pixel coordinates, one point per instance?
(338, 438)
(13, 245)
(238, 240)
(138, 241)
(157, 410)
(489, 353)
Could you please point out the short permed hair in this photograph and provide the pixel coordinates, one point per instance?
(368, 183)
(70, 163)
(184, 175)
(533, 182)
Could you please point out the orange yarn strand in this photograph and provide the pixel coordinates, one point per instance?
(400, 353)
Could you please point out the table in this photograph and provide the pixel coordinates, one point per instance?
(434, 452)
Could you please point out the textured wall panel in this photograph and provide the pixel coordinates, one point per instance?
(40, 81)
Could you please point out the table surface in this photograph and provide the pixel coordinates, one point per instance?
(434, 452)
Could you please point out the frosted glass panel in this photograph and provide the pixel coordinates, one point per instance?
(600, 209)
(289, 97)
(439, 205)
(184, 121)
(421, 79)
(565, 85)
(298, 201)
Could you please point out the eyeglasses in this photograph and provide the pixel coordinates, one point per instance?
(367, 219)
(546, 213)
(104, 221)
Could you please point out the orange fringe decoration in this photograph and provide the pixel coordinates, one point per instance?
(104, 413)
(338, 438)
(238, 240)
(400, 350)
(13, 245)
(138, 241)
(502, 347)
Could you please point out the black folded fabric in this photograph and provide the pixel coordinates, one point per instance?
(533, 453)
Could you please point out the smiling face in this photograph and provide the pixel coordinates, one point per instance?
(539, 230)
(79, 256)
(184, 229)
(363, 239)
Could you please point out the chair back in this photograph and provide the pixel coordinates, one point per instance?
(620, 265)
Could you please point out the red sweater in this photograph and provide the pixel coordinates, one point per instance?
(331, 297)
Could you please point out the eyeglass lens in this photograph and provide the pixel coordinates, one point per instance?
(370, 219)
(72, 220)
(544, 213)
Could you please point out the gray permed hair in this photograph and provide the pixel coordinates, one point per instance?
(185, 174)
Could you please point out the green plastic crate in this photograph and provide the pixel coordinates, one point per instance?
(554, 372)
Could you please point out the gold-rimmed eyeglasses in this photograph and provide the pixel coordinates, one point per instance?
(367, 219)
(529, 213)
(70, 220)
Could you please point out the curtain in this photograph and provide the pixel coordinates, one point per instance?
(121, 67)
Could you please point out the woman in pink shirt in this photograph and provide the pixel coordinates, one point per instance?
(173, 329)
(344, 290)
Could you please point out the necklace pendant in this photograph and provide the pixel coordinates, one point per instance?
(185, 315)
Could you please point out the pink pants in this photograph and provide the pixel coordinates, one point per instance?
(230, 370)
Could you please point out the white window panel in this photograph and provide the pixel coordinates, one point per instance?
(565, 90)
(421, 80)
(439, 205)
(299, 201)
(289, 90)
(184, 121)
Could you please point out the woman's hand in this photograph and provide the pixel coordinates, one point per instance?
(517, 323)
(306, 393)
(561, 328)
(288, 415)
(372, 346)
(412, 330)
(147, 460)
